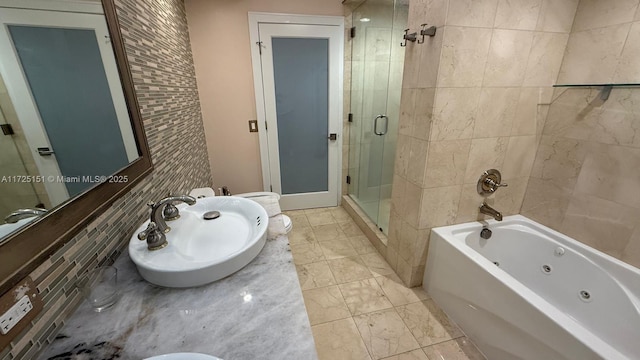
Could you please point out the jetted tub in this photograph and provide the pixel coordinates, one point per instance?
(529, 292)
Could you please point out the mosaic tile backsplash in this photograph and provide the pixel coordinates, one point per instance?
(159, 53)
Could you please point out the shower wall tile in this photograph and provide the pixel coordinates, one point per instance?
(472, 13)
(547, 51)
(412, 201)
(496, 112)
(531, 111)
(407, 242)
(446, 163)
(584, 181)
(392, 258)
(470, 200)
(395, 224)
(593, 55)
(423, 113)
(631, 253)
(606, 173)
(546, 202)
(417, 161)
(507, 59)
(517, 14)
(403, 152)
(509, 199)
(627, 69)
(497, 62)
(398, 189)
(432, 12)
(430, 54)
(412, 55)
(454, 113)
(619, 122)
(487, 153)
(559, 160)
(407, 110)
(521, 154)
(574, 114)
(443, 199)
(464, 55)
(422, 248)
(602, 224)
(592, 14)
(557, 16)
(404, 271)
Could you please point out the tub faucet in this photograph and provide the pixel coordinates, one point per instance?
(488, 210)
(20, 214)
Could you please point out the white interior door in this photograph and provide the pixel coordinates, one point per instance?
(301, 72)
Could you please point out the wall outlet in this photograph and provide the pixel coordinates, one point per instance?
(18, 311)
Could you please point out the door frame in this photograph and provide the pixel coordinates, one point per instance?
(255, 19)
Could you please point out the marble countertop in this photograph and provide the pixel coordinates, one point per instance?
(256, 313)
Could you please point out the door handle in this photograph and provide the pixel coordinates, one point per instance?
(375, 125)
(332, 136)
(45, 151)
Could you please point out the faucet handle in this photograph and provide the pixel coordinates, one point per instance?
(142, 235)
(489, 182)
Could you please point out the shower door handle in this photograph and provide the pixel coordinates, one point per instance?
(375, 125)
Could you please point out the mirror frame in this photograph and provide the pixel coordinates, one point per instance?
(24, 250)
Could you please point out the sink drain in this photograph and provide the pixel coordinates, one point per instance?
(210, 215)
(546, 269)
(585, 295)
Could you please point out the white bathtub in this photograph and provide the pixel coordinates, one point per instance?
(530, 305)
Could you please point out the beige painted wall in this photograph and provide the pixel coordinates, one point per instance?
(219, 33)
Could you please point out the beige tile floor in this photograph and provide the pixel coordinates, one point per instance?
(357, 306)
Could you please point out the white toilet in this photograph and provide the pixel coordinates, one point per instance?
(206, 192)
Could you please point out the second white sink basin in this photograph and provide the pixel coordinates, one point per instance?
(183, 356)
(202, 251)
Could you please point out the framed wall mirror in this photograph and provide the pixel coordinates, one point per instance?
(72, 138)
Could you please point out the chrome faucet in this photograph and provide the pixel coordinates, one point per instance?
(161, 211)
(20, 214)
(488, 210)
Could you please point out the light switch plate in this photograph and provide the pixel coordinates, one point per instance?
(253, 125)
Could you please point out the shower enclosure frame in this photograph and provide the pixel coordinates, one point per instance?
(377, 61)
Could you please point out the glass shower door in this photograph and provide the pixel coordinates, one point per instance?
(376, 79)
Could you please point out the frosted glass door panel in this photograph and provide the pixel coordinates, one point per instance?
(80, 118)
(301, 75)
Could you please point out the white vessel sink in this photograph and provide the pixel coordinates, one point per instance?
(183, 356)
(202, 251)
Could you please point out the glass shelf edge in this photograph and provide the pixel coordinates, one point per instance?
(595, 85)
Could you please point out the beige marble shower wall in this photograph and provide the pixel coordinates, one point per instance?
(585, 180)
(604, 44)
(471, 101)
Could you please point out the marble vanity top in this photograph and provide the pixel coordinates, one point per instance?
(256, 313)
